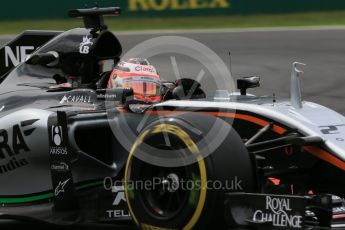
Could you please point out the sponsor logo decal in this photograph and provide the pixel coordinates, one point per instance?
(120, 194)
(76, 99)
(57, 137)
(12, 148)
(58, 150)
(141, 68)
(84, 47)
(62, 166)
(61, 187)
(13, 164)
(278, 211)
(15, 58)
(107, 96)
(145, 5)
(338, 210)
(119, 203)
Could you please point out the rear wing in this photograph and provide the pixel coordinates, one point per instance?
(17, 50)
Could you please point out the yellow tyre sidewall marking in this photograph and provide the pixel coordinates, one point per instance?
(177, 131)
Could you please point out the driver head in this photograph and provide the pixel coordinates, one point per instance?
(141, 76)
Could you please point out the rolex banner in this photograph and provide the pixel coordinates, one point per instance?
(43, 9)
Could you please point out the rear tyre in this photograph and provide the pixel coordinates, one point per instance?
(188, 196)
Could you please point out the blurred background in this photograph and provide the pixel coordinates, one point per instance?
(176, 14)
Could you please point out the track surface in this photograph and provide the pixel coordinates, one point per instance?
(269, 54)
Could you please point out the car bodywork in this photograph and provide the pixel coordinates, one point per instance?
(58, 146)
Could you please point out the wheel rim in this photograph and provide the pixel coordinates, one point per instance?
(168, 195)
(196, 197)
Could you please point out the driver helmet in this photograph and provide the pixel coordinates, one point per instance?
(141, 76)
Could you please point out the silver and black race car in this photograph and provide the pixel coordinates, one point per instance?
(78, 152)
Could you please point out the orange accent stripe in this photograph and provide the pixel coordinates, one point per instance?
(252, 119)
(326, 156)
(316, 151)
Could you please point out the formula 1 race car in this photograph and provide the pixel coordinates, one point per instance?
(73, 150)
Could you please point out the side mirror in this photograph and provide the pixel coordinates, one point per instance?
(50, 59)
(247, 82)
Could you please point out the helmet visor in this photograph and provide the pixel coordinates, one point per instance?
(144, 87)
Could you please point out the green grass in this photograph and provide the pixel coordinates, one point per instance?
(195, 22)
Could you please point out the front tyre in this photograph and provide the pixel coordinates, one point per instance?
(187, 196)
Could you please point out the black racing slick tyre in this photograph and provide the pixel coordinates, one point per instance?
(189, 195)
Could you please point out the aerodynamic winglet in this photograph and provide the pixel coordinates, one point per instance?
(295, 91)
